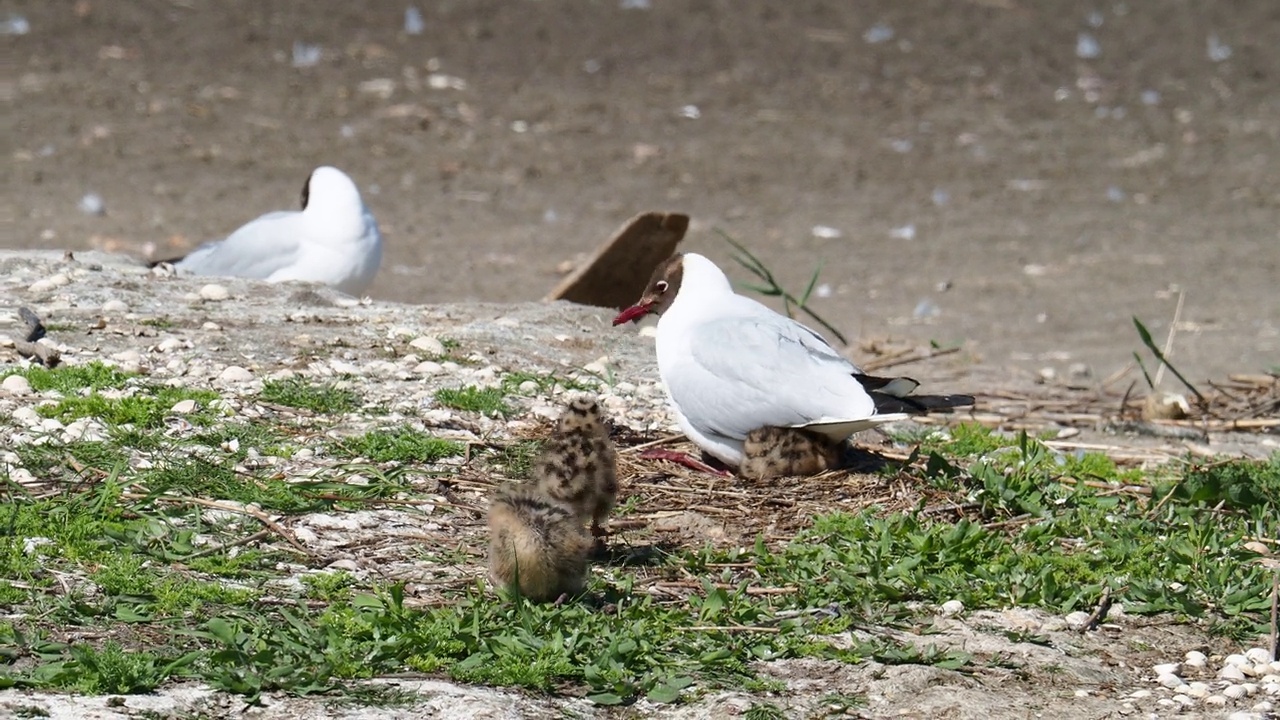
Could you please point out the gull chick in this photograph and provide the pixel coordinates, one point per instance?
(732, 365)
(333, 240)
(537, 545)
(578, 464)
(771, 452)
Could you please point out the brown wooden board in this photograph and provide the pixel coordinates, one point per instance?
(616, 275)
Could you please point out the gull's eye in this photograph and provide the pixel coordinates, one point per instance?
(661, 286)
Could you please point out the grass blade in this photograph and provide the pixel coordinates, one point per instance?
(1155, 350)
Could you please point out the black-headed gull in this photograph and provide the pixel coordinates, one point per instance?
(333, 240)
(732, 365)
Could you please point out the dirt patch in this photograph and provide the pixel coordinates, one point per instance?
(961, 170)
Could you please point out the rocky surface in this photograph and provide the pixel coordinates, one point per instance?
(233, 335)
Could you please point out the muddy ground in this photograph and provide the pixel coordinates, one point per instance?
(972, 163)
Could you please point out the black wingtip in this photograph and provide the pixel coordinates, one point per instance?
(170, 261)
(915, 404)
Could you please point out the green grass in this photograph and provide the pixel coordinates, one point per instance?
(147, 408)
(492, 401)
(400, 444)
(168, 589)
(515, 459)
(485, 401)
(68, 379)
(298, 393)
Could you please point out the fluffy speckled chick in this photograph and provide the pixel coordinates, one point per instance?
(536, 544)
(578, 464)
(771, 452)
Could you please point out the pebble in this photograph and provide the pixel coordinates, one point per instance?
(21, 476)
(1165, 669)
(1231, 672)
(344, 564)
(1237, 660)
(53, 282)
(169, 344)
(951, 608)
(1196, 659)
(16, 385)
(183, 407)
(115, 306)
(427, 344)
(1262, 707)
(1077, 619)
(1197, 690)
(1169, 680)
(428, 367)
(235, 373)
(1235, 692)
(528, 386)
(1183, 700)
(27, 416)
(1258, 656)
(214, 292)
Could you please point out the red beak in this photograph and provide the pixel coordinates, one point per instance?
(632, 313)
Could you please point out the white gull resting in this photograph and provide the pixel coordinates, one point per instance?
(333, 240)
(732, 365)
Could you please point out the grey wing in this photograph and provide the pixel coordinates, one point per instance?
(746, 373)
(257, 250)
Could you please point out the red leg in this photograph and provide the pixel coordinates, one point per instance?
(684, 459)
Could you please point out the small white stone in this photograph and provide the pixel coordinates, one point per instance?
(27, 416)
(1242, 715)
(1183, 700)
(183, 407)
(1077, 619)
(22, 476)
(1235, 692)
(1197, 690)
(428, 367)
(16, 385)
(427, 344)
(1262, 707)
(1165, 669)
(1275, 667)
(214, 292)
(235, 373)
(1140, 694)
(1196, 658)
(344, 564)
(50, 425)
(528, 386)
(1237, 660)
(1215, 701)
(1258, 655)
(951, 608)
(1250, 688)
(115, 306)
(1169, 680)
(1082, 693)
(1232, 673)
(211, 326)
